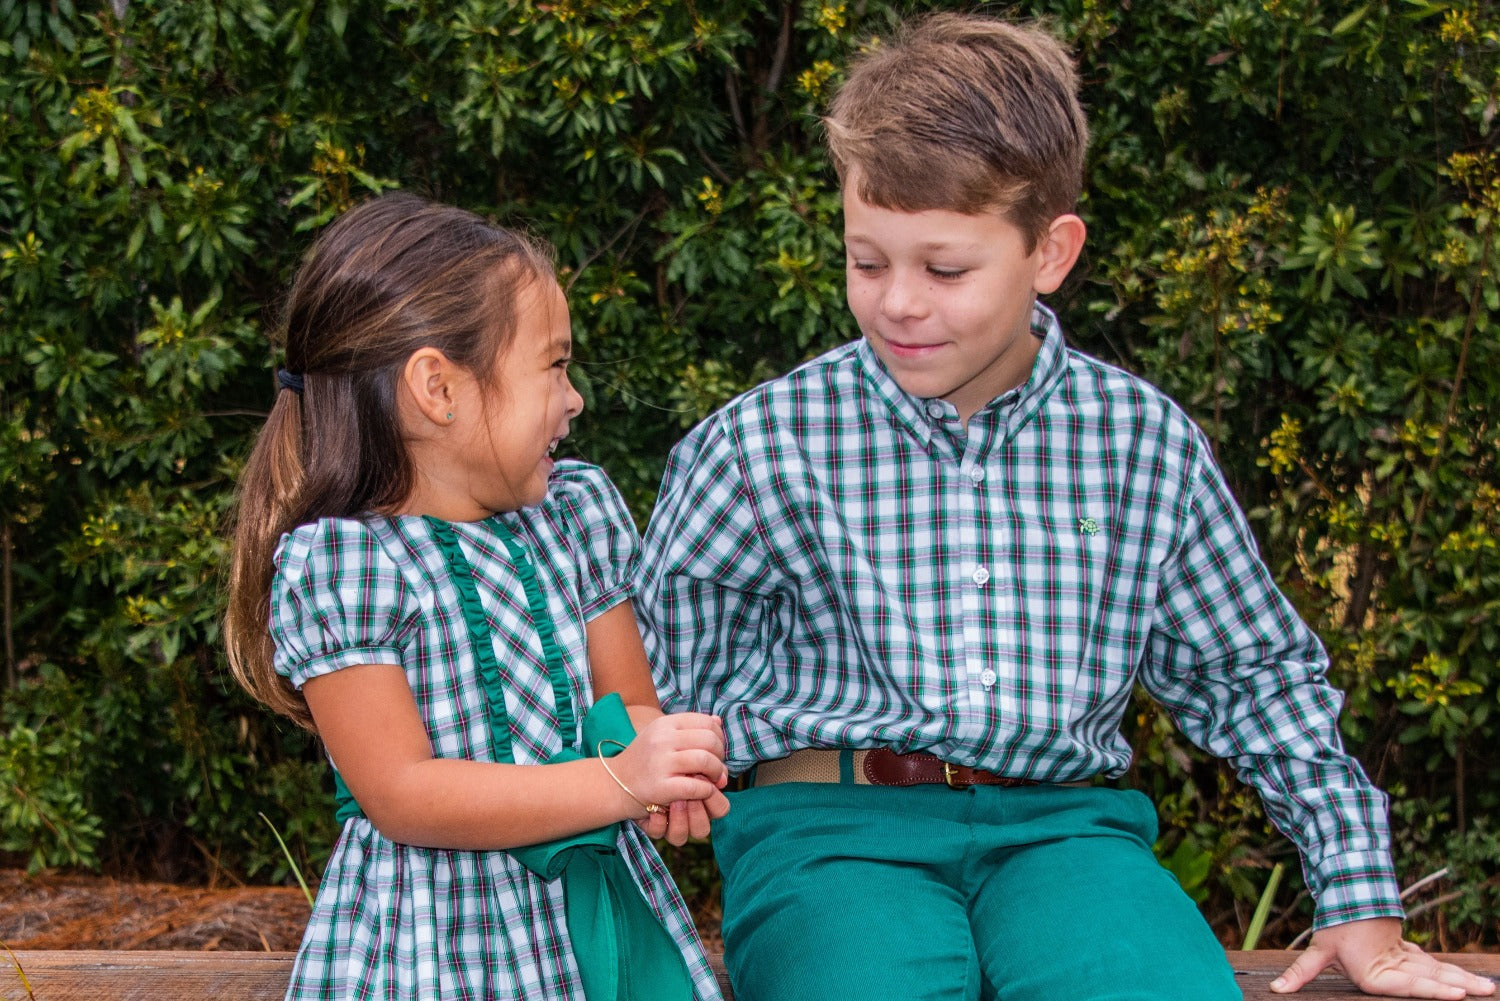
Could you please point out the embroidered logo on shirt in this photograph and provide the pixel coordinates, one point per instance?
(1088, 526)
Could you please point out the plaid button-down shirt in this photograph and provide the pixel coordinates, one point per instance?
(835, 563)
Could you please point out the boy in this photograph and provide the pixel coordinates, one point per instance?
(919, 576)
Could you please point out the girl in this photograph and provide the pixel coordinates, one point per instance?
(416, 581)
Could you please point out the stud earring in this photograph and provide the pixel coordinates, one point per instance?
(450, 415)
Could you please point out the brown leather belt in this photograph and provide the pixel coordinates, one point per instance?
(880, 767)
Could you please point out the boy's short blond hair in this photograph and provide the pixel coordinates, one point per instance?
(967, 114)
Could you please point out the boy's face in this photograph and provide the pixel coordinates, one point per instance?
(945, 298)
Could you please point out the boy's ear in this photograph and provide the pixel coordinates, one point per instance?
(430, 383)
(1059, 249)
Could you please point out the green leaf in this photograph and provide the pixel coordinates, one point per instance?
(1349, 21)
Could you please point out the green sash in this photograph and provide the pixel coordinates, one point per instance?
(622, 950)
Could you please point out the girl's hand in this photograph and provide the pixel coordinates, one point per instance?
(677, 757)
(1378, 960)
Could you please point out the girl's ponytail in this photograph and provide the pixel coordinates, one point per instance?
(269, 503)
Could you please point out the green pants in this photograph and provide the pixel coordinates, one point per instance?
(887, 894)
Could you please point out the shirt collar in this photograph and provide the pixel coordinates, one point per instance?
(1001, 417)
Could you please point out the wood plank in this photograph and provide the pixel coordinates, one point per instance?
(87, 975)
(1254, 972)
(83, 975)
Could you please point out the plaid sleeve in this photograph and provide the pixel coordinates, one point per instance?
(600, 532)
(704, 578)
(1245, 679)
(337, 599)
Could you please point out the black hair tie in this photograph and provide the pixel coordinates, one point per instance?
(289, 380)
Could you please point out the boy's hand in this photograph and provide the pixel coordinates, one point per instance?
(689, 818)
(1378, 960)
(685, 818)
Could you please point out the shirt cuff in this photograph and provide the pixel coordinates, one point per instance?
(326, 663)
(595, 605)
(1356, 886)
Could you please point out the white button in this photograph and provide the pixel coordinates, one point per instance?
(935, 411)
(987, 678)
(981, 576)
(977, 474)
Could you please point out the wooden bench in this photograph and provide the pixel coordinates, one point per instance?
(68, 975)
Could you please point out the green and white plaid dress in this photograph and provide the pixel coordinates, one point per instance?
(836, 563)
(397, 921)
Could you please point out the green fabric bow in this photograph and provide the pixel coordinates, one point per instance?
(622, 950)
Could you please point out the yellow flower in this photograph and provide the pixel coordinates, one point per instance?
(1286, 447)
(712, 196)
(831, 18)
(812, 80)
(1458, 27)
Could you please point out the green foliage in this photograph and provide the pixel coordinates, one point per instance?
(44, 815)
(1292, 209)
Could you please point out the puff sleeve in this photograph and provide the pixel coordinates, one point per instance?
(598, 528)
(337, 599)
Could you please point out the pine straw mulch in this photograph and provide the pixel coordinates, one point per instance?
(50, 911)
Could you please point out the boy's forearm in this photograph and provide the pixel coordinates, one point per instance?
(640, 715)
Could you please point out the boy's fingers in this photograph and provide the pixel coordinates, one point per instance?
(1308, 965)
(698, 825)
(1420, 976)
(654, 826)
(1457, 976)
(677, 822)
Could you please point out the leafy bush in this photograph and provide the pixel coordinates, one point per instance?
(1292, 209)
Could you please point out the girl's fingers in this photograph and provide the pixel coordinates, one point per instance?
(701, 739)
(700, 720)
(691, 787)
(702, 763)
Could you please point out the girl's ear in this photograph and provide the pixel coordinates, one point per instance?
(1058, 251)
(431, 383)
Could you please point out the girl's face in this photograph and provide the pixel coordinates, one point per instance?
(526, 410)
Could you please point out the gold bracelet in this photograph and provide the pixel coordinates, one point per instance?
(650, 808)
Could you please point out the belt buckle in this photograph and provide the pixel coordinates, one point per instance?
(951, 777)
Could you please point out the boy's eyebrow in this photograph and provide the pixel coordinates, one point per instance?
(925, 245)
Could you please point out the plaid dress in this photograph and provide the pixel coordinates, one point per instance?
(836, 563)
(397, 921)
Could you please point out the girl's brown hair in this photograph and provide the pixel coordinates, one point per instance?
(963, 113)
(393, 275)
